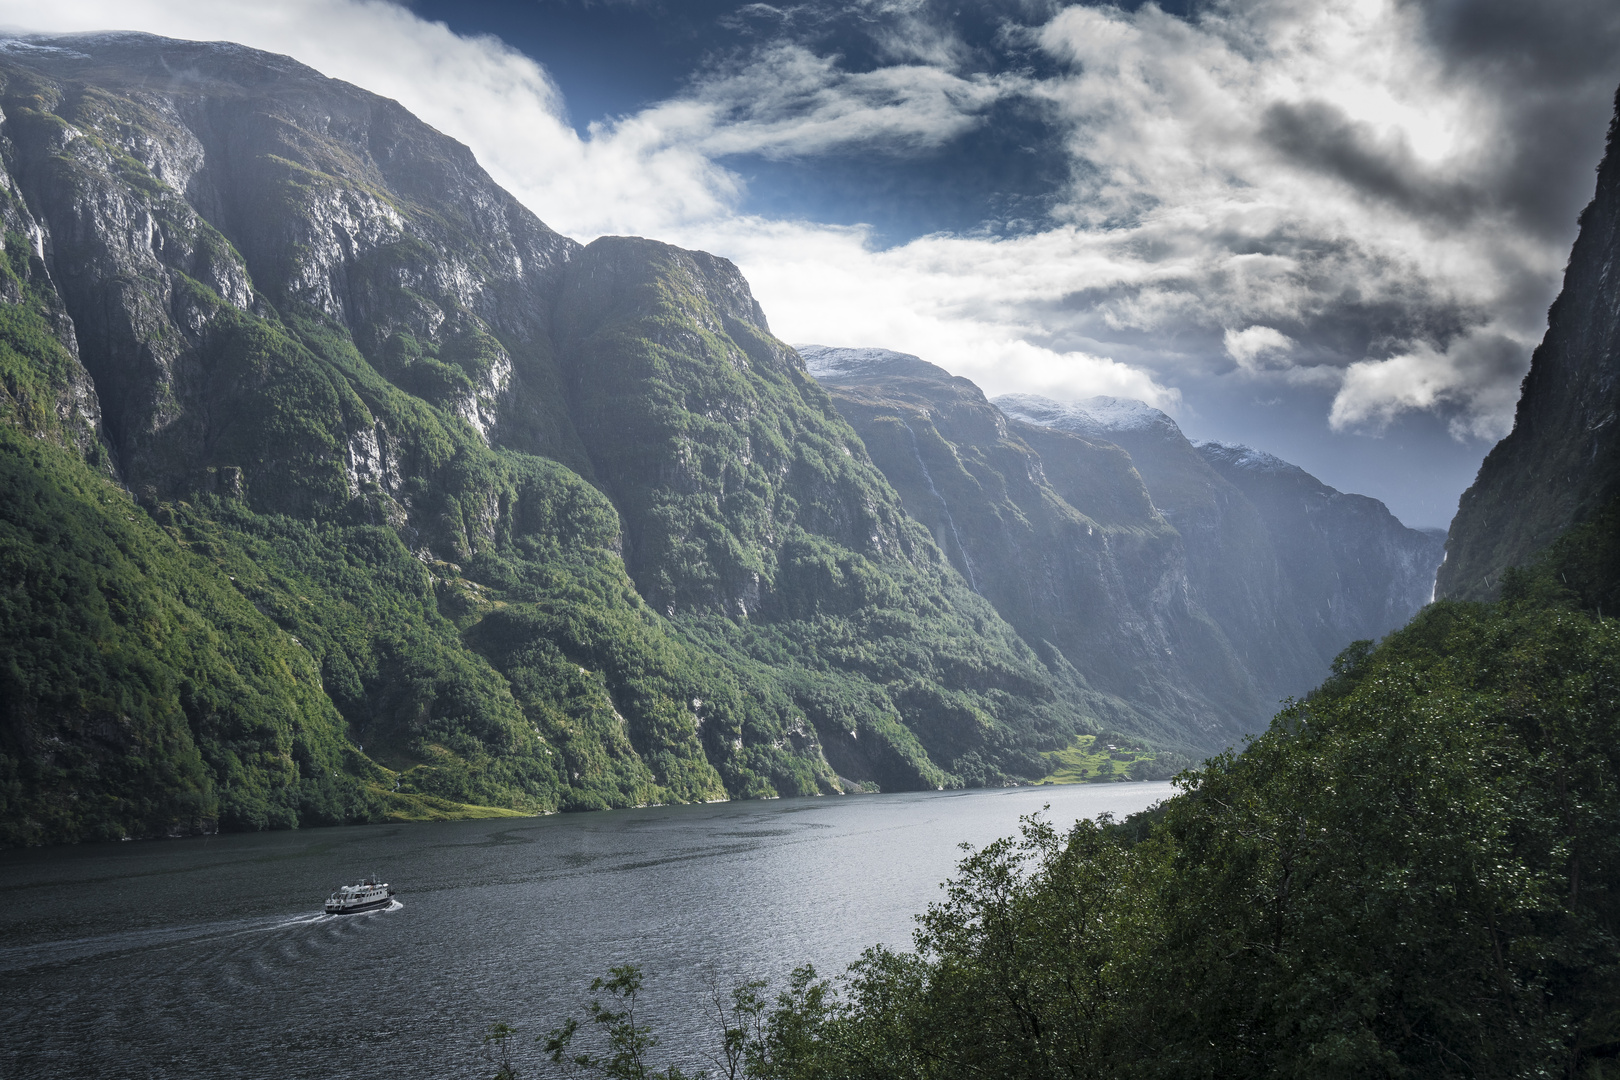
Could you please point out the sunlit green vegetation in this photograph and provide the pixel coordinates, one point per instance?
(145, 692)
(325, 595)
(400, 806)
(1109, 758)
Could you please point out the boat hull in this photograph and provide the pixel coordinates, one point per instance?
(355, 909)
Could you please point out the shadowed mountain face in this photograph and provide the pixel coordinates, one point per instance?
(1233, 570)
(1291, 569)
(1192, 587)
(338, 487)
(1350, 570)
(1561, 463)
(1057, 531)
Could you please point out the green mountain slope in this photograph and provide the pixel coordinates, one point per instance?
(1190, 588)
(487, 520)
(1058, 532)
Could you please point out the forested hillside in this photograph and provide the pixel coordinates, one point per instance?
(341, 487)
(1192, 587)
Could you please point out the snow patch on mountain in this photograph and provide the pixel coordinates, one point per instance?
(827, 362)
(21, 47)
(1099, 416)
(1238, 456)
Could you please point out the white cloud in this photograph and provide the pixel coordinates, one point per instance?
(1258, 348)
(790, 102)
(1474, 376)
(960, 302)
(1303, 163)
(496, 100)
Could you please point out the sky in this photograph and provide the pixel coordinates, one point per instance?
(1329, 229)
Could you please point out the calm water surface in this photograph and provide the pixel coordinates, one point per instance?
(209, 957)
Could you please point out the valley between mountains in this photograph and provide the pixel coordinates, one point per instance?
(338, 487)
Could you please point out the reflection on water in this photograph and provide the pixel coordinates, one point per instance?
(209, 957)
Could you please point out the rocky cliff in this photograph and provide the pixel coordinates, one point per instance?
(1056, 529)
(1289, 568)
(339, 487)
(1192, 587)
(1232, 567)
(1349, 569)
(1560, 465)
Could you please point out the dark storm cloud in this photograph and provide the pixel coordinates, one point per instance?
(1379, 196)
(1554, 44)
(1559, 63)
(1320, 136)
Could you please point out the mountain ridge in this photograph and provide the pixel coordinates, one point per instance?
(372, 496)
(1227, 614)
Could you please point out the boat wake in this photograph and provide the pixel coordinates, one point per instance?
(55, 953)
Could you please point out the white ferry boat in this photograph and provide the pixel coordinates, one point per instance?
(369, 895)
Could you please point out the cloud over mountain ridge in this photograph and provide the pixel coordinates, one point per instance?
(1340, 206)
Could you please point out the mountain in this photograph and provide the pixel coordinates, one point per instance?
(1351, 569)
(340, 487)
(1291, 568)
(1233, 573)
(1058, 532)
(1192, 587)
(1560, 465)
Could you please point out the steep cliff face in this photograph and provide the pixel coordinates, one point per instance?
(303, 402)
(1351, 569)
(712, 440)
(1232, 566)
(173, 212)
(408, 462)
(1291, 569)
(1058, 532)
(1560, 465)
(1192, 586)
